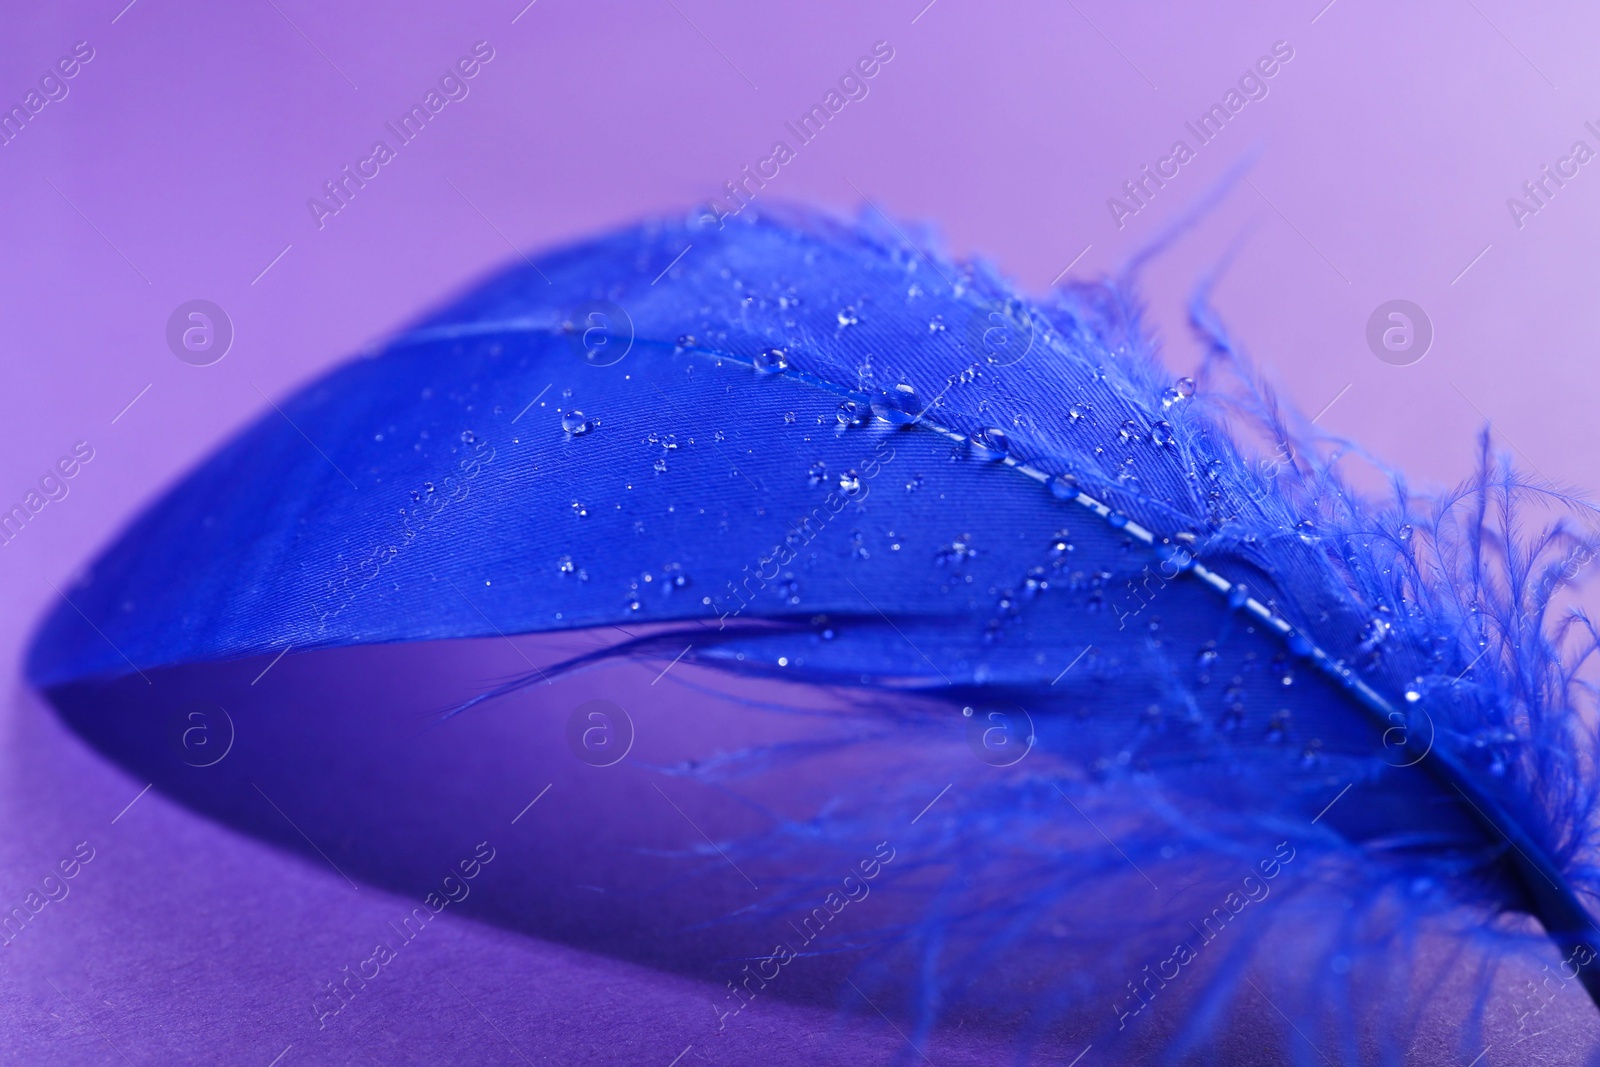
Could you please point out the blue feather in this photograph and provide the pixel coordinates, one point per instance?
(823, 454)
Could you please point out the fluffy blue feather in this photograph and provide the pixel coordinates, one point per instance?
(834, 457)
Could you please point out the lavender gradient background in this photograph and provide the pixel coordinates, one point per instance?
(181, 163)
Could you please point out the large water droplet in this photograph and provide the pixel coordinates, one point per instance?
(575, 424)
(850, 482)
(898, 406)
(1064, 487)
(771, 361)
(847, 317)
(1161, 434)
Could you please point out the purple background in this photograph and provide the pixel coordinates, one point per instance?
(182, 160)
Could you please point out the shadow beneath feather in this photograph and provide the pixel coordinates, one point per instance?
(342, 758)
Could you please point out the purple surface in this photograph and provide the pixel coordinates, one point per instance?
(179, 164)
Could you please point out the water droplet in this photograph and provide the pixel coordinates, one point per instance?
(1064, 487)
(771, 361)
(936, 325)
(818, 472)
(579, 510)
(1238, 595)
(566, 565)
(1078, 413)
(898, 406)
(1117, 520)
(847, 317)
(1278, 727)
(1161, 434)
(957, 551)
(1406, 532)
(575, 424)
(685, 340)
(1373, 633)
(854, 414)
(660, 465)
(990, 444)
(788, 417)
(1130, 431)
(467, 437)
(1185, 387)
(850, 482)
(914, 483)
